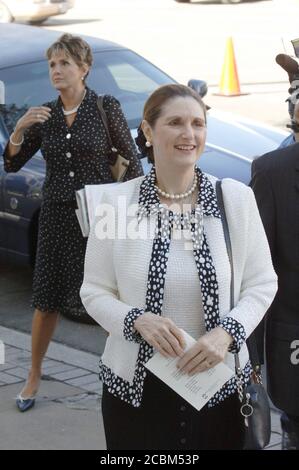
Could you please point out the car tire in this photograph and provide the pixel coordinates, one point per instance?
(5, 15)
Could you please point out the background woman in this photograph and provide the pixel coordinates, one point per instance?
(72, 139)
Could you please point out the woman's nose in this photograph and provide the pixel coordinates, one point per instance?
(187, 132)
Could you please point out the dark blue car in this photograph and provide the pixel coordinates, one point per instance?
(24, 82)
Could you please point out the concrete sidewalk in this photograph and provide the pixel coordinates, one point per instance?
(67, 413)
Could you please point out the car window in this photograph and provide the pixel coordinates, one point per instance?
(121, 73)
(129, 77)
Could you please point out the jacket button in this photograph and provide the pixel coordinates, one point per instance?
(183, 408)
(68, 154)
(72, 174)
(183, 440)
(68, 136)
(183, 424)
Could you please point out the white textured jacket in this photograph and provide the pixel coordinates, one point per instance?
(116, 274)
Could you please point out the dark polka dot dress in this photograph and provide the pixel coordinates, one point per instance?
(74, 156)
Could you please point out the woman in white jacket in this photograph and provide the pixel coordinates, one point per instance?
(157, 264)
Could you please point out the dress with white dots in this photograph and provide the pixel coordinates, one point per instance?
(74, 156)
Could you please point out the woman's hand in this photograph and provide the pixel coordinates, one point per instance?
(161, 333)
(33, 116)
(208, 351)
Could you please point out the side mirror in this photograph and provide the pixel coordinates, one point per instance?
(200, 86)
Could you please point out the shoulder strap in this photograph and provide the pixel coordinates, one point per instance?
(251, 341)
(224, 222)
(103, 115)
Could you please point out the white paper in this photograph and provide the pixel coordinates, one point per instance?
(196, 389)
(88, 199)
(94, 194)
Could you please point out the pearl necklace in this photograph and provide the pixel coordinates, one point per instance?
(178, 196)
(75, 109)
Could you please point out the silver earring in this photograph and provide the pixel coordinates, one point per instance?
(82, 78)
(148, 144)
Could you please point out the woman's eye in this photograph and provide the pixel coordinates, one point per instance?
(174, 123)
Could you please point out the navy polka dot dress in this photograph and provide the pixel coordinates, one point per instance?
(74, 156)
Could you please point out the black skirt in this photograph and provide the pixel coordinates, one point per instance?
(59, 267)
(165, 421)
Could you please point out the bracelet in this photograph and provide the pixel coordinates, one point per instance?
(15, 143)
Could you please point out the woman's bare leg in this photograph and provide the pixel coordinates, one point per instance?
(43, 327)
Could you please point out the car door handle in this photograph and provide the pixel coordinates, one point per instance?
(13, 203)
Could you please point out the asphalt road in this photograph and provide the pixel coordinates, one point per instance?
(188, 41)
(16, 312)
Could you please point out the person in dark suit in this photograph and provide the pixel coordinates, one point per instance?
(275, 182)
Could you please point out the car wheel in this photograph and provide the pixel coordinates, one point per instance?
(5, 15)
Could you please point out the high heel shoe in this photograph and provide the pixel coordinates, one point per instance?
(25, 404)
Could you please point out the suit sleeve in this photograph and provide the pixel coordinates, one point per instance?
(31, 144)
(262, 188)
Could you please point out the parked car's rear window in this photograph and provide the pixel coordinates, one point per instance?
(121, 73)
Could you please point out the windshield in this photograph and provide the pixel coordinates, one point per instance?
(121, 73)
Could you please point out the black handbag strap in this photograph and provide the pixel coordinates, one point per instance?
(103, 115)
(251, 342)
(224, 222)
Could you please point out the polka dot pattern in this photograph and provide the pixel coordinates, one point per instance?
(233, 327)
(149, 204)
(74, 156)
(129, 332)
(80, 154)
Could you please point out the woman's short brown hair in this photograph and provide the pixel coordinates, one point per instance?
(74, 47)
(153, 108)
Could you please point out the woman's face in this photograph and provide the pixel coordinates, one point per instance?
(64, 71)
(179, 134)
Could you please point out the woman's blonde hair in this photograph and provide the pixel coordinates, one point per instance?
(74, 47)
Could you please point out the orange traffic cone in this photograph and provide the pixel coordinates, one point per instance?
(229, 82)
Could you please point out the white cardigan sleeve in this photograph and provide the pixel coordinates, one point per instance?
(99, 292)
(258, 280)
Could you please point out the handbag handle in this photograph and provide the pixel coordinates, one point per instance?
(251, 343)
